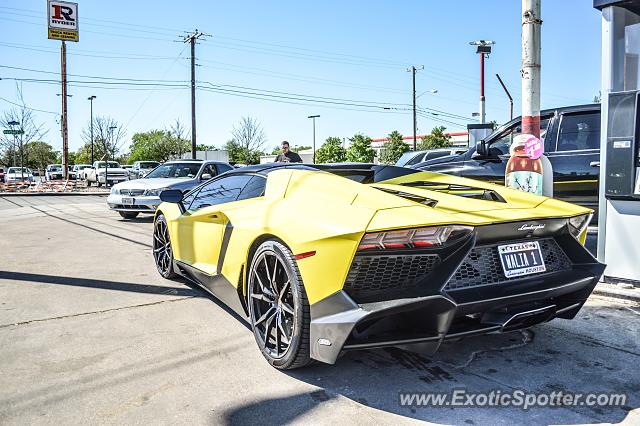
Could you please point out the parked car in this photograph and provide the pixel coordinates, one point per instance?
(571, 143)
(128, 168)
(142, 195)
(141, 168)
(18, 174)
(53, 172)
(78, 170)
(2, 173)
(410, 158)
(100, 171)
(373, 256)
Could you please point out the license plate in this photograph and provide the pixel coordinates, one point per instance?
(127, 201)
(521, 259)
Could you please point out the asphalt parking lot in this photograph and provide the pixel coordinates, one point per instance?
(90, 333)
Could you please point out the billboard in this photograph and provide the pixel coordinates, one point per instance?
(62, 20)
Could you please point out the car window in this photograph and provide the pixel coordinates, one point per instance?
(255, 188)
(436, 154)
(223, 168)
(406, 158)
(175, 170)
(416, 159)
(220, 191)
(501, 145)
(579, 132)
(210, 169)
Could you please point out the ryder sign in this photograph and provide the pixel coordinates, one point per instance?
(62, 19)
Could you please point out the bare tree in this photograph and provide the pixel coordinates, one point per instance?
(108, 137)
(14, 147)
(249, 134)
(179, 136)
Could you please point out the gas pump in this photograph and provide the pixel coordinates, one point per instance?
(622, 171)
(619, 204)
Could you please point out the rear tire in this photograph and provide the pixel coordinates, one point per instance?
(278, 307)
(162, 251)
(129, 215)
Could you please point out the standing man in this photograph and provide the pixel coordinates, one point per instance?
(287, 156)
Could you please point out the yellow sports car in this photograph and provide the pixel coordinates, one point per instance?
(322, 259)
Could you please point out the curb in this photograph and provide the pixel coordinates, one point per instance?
(615, 291)
(58, 194)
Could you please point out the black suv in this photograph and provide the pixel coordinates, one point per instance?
(571, 142)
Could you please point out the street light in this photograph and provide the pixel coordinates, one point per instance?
(313, 117)
(90, 99)
(483, 48)
(432, 91)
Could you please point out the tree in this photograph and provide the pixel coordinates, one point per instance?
(17, 146)
(598, 98)
(331, 151)
(160, 145)
(248, 140)
(157, 145)
(393, 148)
(205, 147)
(360, 150)
(234, 150)
(108, 137)
(437, 139)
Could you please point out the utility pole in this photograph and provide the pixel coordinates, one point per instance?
(531, 27)
(313, 117)
(65, 130)
(483, 48)
(90, 99)
(508, 96)
(191, 38)
(413, 70)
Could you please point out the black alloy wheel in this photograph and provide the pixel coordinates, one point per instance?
(162, 252)
(278, 307)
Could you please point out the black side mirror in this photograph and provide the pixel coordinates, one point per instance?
(172, 196)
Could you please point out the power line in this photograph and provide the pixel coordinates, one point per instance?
(32, 109)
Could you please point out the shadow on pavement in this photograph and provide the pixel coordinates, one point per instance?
(99, 284)
(279, 411)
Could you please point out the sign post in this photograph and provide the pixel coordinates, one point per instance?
(62, 25)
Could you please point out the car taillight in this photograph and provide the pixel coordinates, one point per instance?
(578, 224)
(436, 236)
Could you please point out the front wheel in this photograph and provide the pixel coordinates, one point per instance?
(129, 215)
(278, 307)
(162, 251)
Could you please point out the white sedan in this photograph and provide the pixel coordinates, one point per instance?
(137, 196)
(18, 174)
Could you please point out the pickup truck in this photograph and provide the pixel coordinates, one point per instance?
(100, 171)
(141, 168)
(571, 138)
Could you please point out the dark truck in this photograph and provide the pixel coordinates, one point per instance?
(571, 143)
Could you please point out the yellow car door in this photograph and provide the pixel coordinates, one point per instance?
(201, 228)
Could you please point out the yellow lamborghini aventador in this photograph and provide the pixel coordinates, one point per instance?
(322, 259)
